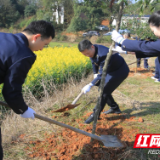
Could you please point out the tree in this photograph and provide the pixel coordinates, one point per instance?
(68, 12)
(29, 10)
(8, 14)
(102, 83)
(88, 16)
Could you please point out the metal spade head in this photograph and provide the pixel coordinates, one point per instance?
(66, 108)
(111, 141)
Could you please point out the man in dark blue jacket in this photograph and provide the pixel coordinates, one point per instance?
(16, 59)
(116, 74)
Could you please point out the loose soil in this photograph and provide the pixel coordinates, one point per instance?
(142, 72)
(69, 145)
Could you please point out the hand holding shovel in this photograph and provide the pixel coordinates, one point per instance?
(108, 140)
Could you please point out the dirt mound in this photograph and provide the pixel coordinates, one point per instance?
(69, 145)
(142, 72)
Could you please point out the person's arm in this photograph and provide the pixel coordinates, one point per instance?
(96, 81)
(142, 48)
(14, 79)
(95, 68)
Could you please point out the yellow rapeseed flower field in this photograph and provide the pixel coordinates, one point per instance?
(57, 64)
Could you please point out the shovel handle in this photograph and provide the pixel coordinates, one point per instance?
(67, 126)
(77, 98)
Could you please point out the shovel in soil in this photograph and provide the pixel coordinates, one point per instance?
(108, 140)
(70, 106)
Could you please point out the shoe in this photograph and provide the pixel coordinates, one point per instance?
(118, 111)
(147, 68)
(157, 80)
(90, 119)
(154, 78)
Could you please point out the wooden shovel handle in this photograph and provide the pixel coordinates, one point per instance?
(67, 126)
(77, 98)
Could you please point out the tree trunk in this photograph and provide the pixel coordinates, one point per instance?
(105, 71)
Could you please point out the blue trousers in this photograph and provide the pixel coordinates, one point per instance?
(145, 62)
(157, 69)
(113, 80)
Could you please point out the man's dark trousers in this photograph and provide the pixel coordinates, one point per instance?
(113, 80)
(157, 69)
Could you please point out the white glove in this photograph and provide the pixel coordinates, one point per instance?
(119, 49)
(117, 37)
(28, 113)
(87, 88)
(95, 75)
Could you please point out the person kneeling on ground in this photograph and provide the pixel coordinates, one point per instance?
(117, 72)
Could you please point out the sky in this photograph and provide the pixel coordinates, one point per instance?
(133, 1)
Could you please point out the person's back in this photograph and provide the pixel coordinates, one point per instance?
(14, 48)
(115, 62)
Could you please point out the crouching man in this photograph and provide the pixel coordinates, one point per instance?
(117, 72)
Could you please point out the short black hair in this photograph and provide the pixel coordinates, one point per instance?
(42, 27)
(127, 34)
(84, 44)
(154, 19)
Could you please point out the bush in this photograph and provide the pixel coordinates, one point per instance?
(60, 37)
(25, 22)
(77, 25)
(29, 10)
(63, 38)
(104, 39)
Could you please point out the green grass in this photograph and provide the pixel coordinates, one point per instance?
(64, 44)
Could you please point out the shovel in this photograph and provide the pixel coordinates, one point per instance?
(108, 140)
(70, 106)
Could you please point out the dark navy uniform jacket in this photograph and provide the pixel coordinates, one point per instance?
(142, 48)
(16, 60)
(98, 61)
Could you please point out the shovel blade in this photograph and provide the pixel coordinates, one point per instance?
(111, 141)
(66, 108)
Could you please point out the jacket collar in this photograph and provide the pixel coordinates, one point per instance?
(22, 38)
